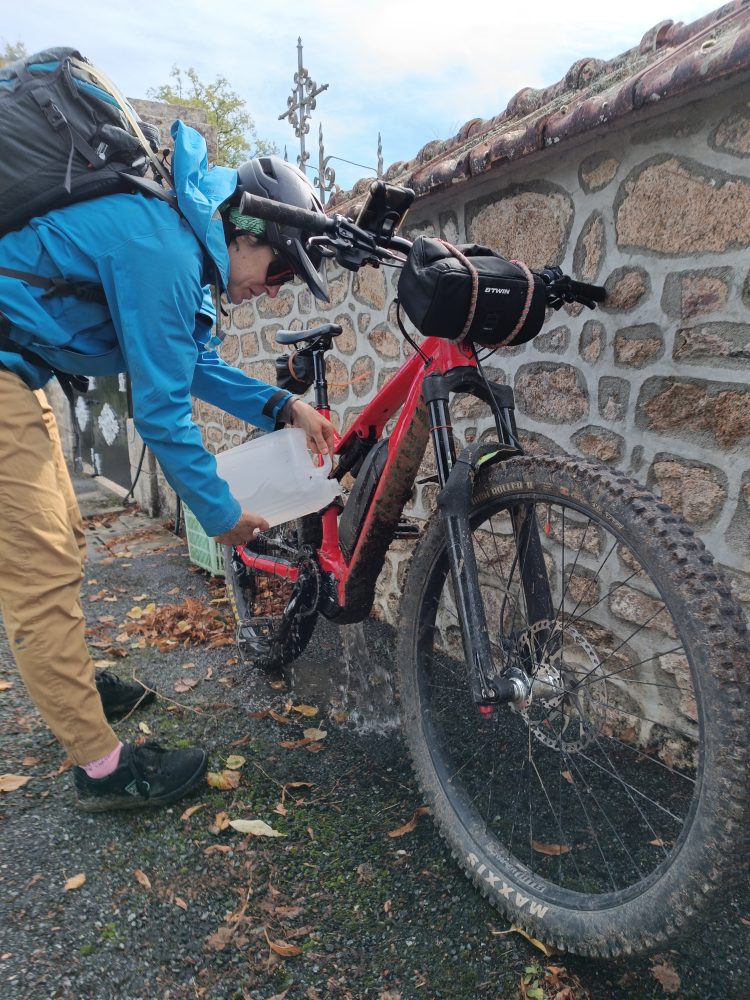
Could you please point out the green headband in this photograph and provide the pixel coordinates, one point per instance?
(248, 223)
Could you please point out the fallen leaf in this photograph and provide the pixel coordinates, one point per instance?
(667, 976)
(220, 938)
(568, 777)
(135, 613)
(283, 719)
(307, 710)
(31, 761)
(232, 661)
(254, 826)
(314, 734)
(544, 948)
(12, 782)
(282, 948)
(192, 810)
(140, 597)
(143, 726)
(293, 744)
(179, 901)
(220, 848)
(243, 741)
(235, 761)
(187, 666)
(185, 684)
(221, 822)
(411, 825)
(5, 685)
(223, 780)
(339, 716)
(660, 843)
(278, 685)
(75, 882)
(143, 878)
(554, 850)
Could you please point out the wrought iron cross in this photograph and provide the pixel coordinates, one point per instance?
(300, 104)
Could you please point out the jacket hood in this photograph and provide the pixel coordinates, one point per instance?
(200, 191)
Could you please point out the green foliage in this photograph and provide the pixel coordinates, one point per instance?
(226, 110)
(10, 52)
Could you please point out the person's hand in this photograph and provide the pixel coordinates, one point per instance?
(244, 531)
(319, 430)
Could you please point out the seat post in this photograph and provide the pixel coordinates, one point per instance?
(320, 347)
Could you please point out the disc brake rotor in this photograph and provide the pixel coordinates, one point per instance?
(568, 703)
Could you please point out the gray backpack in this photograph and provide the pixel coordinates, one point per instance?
(66, 135)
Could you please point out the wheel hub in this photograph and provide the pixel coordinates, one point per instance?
(568, 701)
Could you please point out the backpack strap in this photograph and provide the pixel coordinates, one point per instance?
(54, 287)
(68, 383)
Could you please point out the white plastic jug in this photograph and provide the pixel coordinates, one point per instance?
(275, 476)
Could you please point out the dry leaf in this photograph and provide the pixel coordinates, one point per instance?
(4, 685)
(282, 948)
(568, 777)
(278, 685)
(660, 843)
(294, 744)
(307, 710)
(192, 810)
(31, 761)
(12, 782)
(144, 728)
(174, 590)
(411, 825)
(254, 826)
(75, 882)
(179, 901)
(220, 848)
(235, 761)
(667, 975)
(143, 878)
(221, 822)
(554, 850)
(338, 716)
(224, 780)
(314, 734)
(135, 613)
(244, 740)
(185, 684)
(283, 719)
(544, 948)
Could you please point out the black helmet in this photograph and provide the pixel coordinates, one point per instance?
(274, 178)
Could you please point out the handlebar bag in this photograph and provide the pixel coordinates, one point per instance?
(469, 293)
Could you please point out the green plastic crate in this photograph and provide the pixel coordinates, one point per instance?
(204, 551)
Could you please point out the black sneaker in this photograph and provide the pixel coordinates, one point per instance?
(147, 776)
(120, 697)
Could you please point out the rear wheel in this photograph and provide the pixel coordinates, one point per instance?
(613, 806)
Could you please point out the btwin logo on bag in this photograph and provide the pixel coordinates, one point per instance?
(498, 291)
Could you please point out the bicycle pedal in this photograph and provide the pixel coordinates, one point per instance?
(252, 640)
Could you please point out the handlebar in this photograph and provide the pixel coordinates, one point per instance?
(562, 288)
(354, 247)
(276, 211)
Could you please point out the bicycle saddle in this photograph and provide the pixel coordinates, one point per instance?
(295, 336)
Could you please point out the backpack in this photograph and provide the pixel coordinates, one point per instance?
(66, 135)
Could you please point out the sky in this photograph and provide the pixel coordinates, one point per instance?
(412, 72)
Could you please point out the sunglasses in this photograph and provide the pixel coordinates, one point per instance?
(279, 272)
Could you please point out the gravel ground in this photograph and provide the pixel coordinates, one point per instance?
(371, 916)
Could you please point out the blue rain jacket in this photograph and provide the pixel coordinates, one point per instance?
(154, 264)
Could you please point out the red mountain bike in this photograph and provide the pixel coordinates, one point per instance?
(571, 668)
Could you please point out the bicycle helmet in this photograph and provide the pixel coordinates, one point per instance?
(274, 178)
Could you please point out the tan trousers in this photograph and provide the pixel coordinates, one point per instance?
(42, 547)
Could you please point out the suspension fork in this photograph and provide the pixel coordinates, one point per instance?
(456, 475)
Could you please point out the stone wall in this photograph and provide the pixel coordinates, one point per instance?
(654, 383)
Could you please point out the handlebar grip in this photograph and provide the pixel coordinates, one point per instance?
(288, 215)
(595, 292)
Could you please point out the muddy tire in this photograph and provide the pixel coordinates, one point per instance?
(613, 809)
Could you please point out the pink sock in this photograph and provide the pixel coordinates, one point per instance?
(105, 765)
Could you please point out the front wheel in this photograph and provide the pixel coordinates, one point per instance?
(613, 806)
